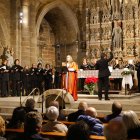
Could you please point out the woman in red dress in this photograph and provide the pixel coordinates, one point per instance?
(70, 78)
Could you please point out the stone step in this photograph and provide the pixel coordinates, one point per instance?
(6, 112)
(107, 105)
(112, 96)
(6, 116)
(15, 101)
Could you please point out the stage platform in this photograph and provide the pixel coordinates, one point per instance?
(129, 102)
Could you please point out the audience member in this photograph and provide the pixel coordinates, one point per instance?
(78, 131)
(115, 130)
(95, 125)
(53, 125)
(17, 119)
(81, 111)
(32, 127)
(116, 112)
(61, 117)
(2, 128)
(30, 105)
(132, 124)
(19, 113)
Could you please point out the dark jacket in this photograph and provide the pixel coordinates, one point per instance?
(102, 66)
(16, 72)
(4, 75)
(109, 117)
(95, 125)
(74, 116)
(85, 67)
(134, 133)
(31, 137)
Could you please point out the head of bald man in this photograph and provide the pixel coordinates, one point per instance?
(82, 106)
(116, 108)
(91, 112)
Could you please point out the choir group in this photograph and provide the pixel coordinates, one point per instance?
(18, 80)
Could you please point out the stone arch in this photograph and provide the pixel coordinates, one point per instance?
(68, 13)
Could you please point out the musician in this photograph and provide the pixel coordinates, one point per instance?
(116, 65)
(16, 71)
(84, 66)
(138, 73)
(104, 73)
(47, 77)
(117, 81)
(71, 77)
(33, 77)
(58, 76)
(26, 80)
(92, 64)
(130, 65)
(39, 74)
(4, 71)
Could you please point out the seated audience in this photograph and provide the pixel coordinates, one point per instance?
(78, 131)
(19, 113)
(116, 112)
(81, 111)
(17, 119)
(53, 125)
(61, 117)
(32, 127)
(132, 124)
(2, 128)
(95, 125)
(30, 105)
(115, 130)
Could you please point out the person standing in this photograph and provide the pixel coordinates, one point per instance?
(33, 77)
(104, 73)
(26, 80)
(84, 66)
(93, 64)
(70, 77)
(39, 74)
(138, 73)
(47, 77)
(117, 81)
(4, 70)
(16, 78)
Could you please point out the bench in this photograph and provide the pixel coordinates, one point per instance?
(56, 135)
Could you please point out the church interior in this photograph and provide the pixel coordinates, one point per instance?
(71, 36)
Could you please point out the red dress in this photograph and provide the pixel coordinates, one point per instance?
(69, 80)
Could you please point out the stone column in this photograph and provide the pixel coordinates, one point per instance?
(25, 34)
(33, 41)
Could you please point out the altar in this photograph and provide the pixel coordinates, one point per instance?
(91, 73)
(116, 78)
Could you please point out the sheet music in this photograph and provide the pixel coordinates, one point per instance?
(4, 67)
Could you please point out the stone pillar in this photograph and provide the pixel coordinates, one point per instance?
(15, 27)
(33, 42)
(25, 34)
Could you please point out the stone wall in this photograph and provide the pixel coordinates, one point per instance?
(62, 28)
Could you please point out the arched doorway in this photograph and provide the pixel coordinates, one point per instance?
(63, 30)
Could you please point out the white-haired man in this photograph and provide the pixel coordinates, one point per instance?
(52, 124)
